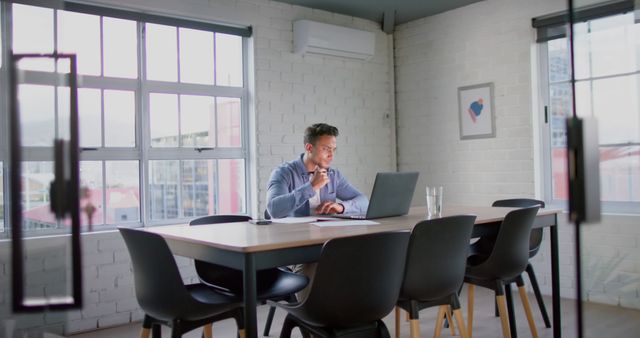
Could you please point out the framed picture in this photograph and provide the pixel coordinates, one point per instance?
(475, 104)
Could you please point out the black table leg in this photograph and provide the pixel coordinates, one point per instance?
(250, 297)
(555, 280)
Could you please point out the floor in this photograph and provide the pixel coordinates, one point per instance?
(601, 321)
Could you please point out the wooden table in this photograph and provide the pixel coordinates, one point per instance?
(248, 247)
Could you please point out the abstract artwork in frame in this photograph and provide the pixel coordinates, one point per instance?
(475, 104)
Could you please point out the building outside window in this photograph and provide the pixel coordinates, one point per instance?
(161, 109)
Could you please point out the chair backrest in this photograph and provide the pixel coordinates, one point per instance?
(436, 257)
(214, 274)
(536, 234)
(510, 253)
(159, 288)
(357, 280)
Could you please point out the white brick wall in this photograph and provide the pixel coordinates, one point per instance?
(291, 92)
(491, 41)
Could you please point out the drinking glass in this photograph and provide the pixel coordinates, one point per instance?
(434, 202)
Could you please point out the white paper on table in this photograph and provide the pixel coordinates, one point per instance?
(293, 220)
(344, 223)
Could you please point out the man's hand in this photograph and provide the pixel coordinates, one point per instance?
(328, 207)
(320, 178)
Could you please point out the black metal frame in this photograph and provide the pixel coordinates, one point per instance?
(66, 185)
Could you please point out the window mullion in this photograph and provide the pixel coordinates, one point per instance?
(142, 105)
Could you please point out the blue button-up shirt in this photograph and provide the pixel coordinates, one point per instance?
(289, 191)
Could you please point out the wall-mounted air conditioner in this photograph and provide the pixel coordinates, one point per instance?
(321, 38)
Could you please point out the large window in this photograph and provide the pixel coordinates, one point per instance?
(162, 117)
(607, 72)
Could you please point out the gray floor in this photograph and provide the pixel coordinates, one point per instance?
(602, 321)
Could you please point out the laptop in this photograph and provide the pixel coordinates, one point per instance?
(391, 196)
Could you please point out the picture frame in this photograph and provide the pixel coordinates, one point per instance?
(475, 111)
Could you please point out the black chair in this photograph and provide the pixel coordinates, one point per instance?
(435, 269)
(505, 265)
(275, 284)
(356, 284)
(484, 245)
(163, 296)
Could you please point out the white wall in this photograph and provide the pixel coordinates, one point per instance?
(291, 92)
(493, 41)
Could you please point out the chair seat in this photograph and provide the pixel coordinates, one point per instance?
(206, 298)
(271, 283)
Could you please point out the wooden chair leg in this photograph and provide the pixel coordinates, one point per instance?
(145, 333)
(463, 331)
(504, 317)
(397, 322)
(442, 310)
(242, 333)
(527, 311)
(207, 331)
(471, 293)
(450, 321)
(415, 328)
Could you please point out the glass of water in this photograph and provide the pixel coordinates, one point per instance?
(434, 202)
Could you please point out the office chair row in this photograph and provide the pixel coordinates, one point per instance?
(352, 290)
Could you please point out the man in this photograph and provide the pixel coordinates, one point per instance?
(308, 185)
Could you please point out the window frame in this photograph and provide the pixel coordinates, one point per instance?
(142, 152)
(610, 207)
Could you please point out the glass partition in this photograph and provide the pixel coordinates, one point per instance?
(606, 60)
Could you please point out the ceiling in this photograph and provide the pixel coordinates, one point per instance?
(398, 11)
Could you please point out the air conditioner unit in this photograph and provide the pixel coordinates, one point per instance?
(321, 38)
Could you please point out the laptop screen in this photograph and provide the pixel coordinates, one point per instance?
(392, 194)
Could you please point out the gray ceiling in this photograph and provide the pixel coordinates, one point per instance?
(405, 10)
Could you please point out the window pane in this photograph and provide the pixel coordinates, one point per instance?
(36, 212)
(33, 33)
(163, 116)
(197, 187)
(163, 189)
(91, 212)
(614, 44)
(615, 103)
(620, 173)
(162, 52)
(196, 56)
(80, 34)
(231, 188)
(560, 109)
(90, 116)
(119, 118)
(197, 120)
(123, 192)
(120, 48)
(36, 104)
(559, 67)
(228, 60)
(229, 122)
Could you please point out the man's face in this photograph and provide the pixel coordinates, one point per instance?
(322, 152)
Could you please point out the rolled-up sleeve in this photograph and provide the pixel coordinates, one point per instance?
(281, 202)
(353, 200)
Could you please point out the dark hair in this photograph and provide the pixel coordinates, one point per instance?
(314, 131)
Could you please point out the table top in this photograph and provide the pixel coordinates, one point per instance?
(247, 237)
